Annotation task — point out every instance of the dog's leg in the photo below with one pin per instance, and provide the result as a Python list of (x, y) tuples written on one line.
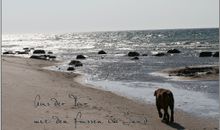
[(159, 111), (172, 112)]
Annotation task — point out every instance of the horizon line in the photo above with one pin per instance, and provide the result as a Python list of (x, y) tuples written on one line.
[(112, 30)]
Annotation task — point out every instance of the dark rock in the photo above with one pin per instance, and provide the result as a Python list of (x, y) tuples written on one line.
[(102, 52), (160, 54), (205, 54), (22, 52), (133, 53), (76, 63), (51, 57), (43, 57), (135, 58), (173, 51), (50, 52), (70, 68), (40, 57), (216, 54), (80, 57), (39, 52), (8, 52), (144, 54), (26, 48)]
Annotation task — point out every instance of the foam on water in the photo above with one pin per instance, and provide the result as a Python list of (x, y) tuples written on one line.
[(197, 103)]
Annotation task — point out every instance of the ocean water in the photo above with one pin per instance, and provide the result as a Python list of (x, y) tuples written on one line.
[(135, 79)]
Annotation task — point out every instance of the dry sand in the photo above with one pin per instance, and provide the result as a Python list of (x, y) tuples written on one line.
[(38, 99)]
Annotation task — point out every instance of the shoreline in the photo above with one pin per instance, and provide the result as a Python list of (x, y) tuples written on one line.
[(100, 104)]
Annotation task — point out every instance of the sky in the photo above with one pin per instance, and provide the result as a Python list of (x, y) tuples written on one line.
[(60, 16)]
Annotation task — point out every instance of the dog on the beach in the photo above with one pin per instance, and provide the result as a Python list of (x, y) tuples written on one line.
[(165, 99)]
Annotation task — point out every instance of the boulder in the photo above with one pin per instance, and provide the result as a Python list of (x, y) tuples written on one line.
[(135, 58), (205, 54), (133, 53), (70, 69), (80, 57), (76, 63), (216, 54), (39, 52), (173, 51), (102, 52), (160, 54)]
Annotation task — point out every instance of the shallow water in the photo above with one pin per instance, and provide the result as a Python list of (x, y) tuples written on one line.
[(135, 79)]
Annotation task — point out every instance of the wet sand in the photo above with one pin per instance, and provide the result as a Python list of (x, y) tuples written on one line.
[(38, 99)]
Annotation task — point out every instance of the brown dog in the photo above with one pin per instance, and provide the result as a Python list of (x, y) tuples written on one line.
[(164, 99)]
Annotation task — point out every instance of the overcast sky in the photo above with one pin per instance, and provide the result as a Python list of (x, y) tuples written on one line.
[(44, 16)]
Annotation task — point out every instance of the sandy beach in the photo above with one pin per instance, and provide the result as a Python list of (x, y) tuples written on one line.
[(37, 99)]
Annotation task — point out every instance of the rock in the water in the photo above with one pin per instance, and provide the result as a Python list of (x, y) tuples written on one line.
[(22, 52), (51, 57), (173, 51), (43, 57), (133, 53), (76, 63), (8, 52), (135, 58), (160, 54), (70, 69), (40, 57), (216, 54), (39, 52), (80, 57), (205, 54), (102, 52), (50, 52), (145, 54)]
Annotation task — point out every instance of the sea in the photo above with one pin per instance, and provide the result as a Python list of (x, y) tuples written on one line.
[(134, 79)]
